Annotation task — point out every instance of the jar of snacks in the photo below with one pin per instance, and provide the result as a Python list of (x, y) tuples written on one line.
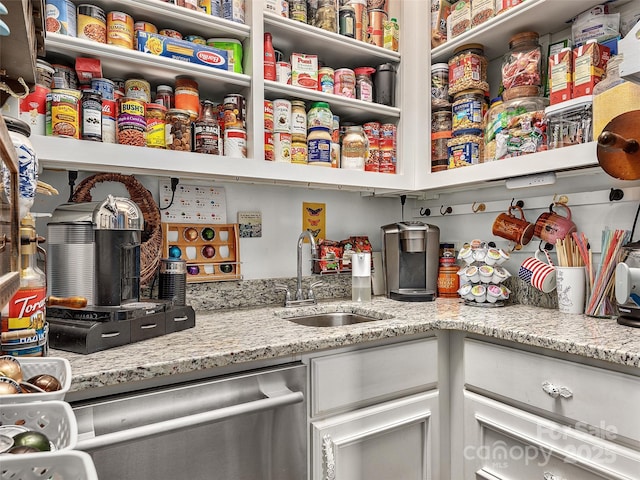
[(468, 69), (516, 127), (468, 109), (465, 150), (440, 85), (441, 120), (522, 65), (178, 130)]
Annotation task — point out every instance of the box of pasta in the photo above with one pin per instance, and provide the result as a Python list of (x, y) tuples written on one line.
[(182, 50)]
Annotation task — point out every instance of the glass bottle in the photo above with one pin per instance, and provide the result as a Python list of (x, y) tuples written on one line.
[(522, 65), (364, 84), (355, 148), (269, 58), (26, 309), (206, 130), (326, 16)]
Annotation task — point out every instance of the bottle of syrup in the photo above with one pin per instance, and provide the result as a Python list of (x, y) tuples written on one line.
[(269, 58)]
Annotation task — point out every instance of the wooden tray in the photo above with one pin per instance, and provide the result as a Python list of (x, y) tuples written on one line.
[(212, 251)]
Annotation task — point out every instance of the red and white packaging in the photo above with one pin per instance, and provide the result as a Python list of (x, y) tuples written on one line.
[(561, 76), (589, 62), (33, 109), (304, 70)]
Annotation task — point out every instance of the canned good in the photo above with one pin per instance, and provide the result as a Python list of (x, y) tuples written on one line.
[(105, 86), (269, 153), (298, 121), (109, 115), (268, 115), (298, 10), (377, 17), (235, 142), (119, 84), (190, 4), (167, 32), (142, 27), (91, 108), (347, 21), (155, 117), (187, 96), (211, 7), (344, 83), (62, 117), (120, 30), (64, 77), (178, 130), (61, 17), (283, 72), (92, 24), (372, 130), (388, 140), (279, 7), (387, 161), (282, 147), (372, 162), (325, 79), (234, 51), (131, 124), (299, 152), (44, 73), (33, 109), (282, 115), (235, 111), (196, 39), (233, 10), (137, 88)]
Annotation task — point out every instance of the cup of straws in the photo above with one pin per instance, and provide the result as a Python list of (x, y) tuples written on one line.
[(597, 283)]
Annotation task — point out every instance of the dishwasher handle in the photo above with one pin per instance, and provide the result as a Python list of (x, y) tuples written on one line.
[(194, 420)]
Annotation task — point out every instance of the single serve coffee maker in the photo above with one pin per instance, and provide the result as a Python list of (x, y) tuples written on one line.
[(410, 253)]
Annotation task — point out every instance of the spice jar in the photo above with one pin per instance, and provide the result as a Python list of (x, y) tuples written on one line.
[(178, 130), (155, 116), (298, 121), (354, 149), (440, 85), (522, 65), (468, 109), (364, 84), (326, 16), (468, 69)]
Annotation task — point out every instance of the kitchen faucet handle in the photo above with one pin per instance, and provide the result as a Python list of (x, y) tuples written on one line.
[(310, 294), (316, 283)]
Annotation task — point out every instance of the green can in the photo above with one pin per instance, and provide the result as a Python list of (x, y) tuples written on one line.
[(234, 47)]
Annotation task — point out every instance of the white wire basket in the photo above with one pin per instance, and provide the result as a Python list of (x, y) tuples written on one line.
[(31, 366), (54, 418), (63, 465)]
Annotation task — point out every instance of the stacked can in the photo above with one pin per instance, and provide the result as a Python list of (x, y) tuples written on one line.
[(388, 145), (335, 142), (282, 130), (268, 131), (298, 132), (235, 127), (372, 130)]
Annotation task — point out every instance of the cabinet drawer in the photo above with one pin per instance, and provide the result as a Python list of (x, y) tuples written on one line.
[(594, 396), (355, 379), (502, 442)]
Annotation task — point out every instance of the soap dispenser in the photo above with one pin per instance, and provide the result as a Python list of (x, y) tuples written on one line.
[(361, 277)]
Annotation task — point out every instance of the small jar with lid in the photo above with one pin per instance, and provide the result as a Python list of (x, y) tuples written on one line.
[(319, 146), (298, 121), (178, 130), (522, 65), (354, 149), (186, 96), (468, 69), (320, 115), (326, 16), (440, 85), (468, 110), (164, 96), (364, 84)]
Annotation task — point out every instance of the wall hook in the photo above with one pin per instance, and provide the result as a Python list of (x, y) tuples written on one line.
[(519, 203), (562, 199), (447, 210), (480, 208), (615, 195), (425, 212)]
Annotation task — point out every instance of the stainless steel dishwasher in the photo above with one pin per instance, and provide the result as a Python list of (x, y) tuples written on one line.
[(248, 426)]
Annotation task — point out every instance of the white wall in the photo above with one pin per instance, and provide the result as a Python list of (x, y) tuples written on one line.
[(274, 254)]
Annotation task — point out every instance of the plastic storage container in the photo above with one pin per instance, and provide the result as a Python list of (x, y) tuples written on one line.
[(63, 465), (570, 123), (468, 69), (440, 85), (31, 366), (515, 127)]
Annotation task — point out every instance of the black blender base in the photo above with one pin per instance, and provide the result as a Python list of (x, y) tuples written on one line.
[(629, 322)]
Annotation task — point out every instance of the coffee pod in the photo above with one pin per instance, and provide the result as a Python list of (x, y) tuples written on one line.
[(479, 293), (494, 293), (486, 273)]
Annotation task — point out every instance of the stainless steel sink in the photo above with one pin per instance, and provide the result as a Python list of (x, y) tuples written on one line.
[(335, 319)]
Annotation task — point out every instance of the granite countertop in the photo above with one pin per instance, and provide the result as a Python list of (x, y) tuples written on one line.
[(236, 336)]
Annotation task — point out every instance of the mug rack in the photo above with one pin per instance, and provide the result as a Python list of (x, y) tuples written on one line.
[(212, 252)]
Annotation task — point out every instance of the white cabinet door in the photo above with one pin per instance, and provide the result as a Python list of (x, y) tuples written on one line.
[(393, 440), (502, 442)]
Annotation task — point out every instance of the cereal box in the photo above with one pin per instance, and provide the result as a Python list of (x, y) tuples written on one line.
[(304, 70), (560, 76), (459, 20), (481, 11), (589, 62), (182, 50), (440, 10)]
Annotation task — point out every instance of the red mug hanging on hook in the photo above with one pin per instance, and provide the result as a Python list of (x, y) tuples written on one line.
[(550, 226)]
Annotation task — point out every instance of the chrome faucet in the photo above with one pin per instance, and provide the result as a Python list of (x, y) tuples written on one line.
[(314, 252), (299, 298)]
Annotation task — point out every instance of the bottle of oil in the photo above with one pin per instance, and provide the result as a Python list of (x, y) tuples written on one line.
[(23, 318)]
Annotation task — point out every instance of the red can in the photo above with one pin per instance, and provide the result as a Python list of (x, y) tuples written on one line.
[(388, 136), (109, 113), (33, 109), (372, 163), (167, 32), (387, 161), (372, 130), (269, 152), (268, 115)]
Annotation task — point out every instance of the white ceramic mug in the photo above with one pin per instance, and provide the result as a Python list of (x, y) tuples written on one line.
[(571, 288)]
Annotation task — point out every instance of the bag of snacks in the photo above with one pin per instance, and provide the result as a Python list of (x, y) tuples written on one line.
[(439, 13)]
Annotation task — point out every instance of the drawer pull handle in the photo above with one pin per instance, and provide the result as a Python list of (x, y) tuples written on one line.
[(328, 458), (555, 391)]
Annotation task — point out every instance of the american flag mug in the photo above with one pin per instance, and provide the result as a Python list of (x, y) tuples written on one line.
[(538, 273)]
